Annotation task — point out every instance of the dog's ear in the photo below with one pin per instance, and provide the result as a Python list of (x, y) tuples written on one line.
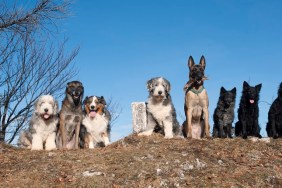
[(56, 107), (102, 100), (233, 91), (67, 86), (190, 62), (37, 106), (85, 100), (203, 62), (258, 87), (222, 90), (245, 85), (280, 88), (167, 85), (149, 84)]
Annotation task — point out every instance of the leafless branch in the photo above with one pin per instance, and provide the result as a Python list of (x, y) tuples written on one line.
[(30, 65), (114, 109)]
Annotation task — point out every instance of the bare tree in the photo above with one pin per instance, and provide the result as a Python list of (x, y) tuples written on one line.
[(114, 109), (30, 65)]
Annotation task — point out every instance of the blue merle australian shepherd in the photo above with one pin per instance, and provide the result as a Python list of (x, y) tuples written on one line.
[(161, 115)]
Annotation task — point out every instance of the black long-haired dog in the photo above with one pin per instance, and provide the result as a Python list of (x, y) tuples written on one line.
[(248, 112), (274, 125), (224, 113)]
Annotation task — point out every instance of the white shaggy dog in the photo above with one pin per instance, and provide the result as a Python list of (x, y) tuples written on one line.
[(43, 125), (161, 116)]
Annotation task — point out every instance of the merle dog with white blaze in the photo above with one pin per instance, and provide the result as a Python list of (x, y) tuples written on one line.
[(224, 113), (161, 115)]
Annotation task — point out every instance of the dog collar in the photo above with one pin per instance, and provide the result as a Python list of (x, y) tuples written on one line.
[(197, 92)]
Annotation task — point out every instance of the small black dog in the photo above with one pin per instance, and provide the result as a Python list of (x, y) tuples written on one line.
[(274, 125), (248, 112), (224, 113)]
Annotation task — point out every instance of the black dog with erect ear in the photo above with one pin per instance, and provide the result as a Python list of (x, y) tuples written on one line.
[(248, 112), (224, 113), (274, 125)]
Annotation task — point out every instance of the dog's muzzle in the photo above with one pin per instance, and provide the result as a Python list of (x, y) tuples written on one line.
[(46, 116), (92, 112), (76, 94)]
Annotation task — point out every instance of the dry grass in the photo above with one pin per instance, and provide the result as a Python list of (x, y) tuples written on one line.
[(148, 162)]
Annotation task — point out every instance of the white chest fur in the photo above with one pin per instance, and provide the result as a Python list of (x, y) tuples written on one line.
[(45, 129), (159, 111), (96, 126)]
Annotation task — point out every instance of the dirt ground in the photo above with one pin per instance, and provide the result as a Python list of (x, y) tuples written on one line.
[(148, 162)]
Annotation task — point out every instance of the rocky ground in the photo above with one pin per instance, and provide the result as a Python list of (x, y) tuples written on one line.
[(148, 162)]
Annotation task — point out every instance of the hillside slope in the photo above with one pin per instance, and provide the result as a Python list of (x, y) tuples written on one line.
[(148, 162)]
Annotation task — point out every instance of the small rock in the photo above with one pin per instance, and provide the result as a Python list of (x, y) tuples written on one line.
[(186, 166), (220, 162), (254, 139), (266, 140), (159, 171), (149, 156), (163, 183), (199, 164), (50, 154), (92, 173), (270, 179), (176, 161)]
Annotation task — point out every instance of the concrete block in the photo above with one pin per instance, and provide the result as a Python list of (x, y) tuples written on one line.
[(139, 116)]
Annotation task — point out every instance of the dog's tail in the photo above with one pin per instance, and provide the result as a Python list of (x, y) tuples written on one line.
[(25, 140)]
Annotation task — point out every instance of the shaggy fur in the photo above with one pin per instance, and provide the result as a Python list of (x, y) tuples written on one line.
[(196, 104), (248, 112), (274, 125), (70, 116), (43, 125), (224, 113), (95, 129), (161, 116)]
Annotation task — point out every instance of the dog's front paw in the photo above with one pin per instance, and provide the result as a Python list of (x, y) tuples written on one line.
[(141, 134), (244, 136), (275, 136), (230, 136), (168, 136), (145, 133), (189, 135), (209, 136)]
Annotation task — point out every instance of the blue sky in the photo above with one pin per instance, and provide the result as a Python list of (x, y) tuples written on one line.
[(125, 43)]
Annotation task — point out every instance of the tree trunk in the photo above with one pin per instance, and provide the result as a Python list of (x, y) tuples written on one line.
[(2, 135)]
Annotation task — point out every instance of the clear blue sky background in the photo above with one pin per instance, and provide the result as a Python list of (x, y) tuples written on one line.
[(125, 43)]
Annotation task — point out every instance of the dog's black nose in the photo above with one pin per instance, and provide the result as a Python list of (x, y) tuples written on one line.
[(92, 107), (160, 92), (46, 110)]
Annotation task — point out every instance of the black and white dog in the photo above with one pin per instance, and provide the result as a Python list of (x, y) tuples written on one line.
[(274, 125), (161, 115), (95, 129)]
